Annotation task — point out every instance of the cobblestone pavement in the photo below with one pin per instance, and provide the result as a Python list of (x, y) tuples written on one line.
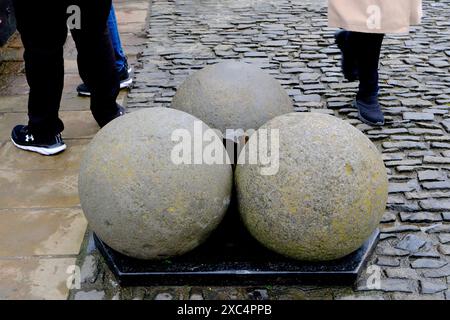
[(290, 40)]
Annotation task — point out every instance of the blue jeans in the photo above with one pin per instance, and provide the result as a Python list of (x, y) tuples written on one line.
[(121, 59)]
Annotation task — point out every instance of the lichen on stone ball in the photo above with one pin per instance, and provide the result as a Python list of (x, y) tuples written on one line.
[(328, 195), (138, 200)]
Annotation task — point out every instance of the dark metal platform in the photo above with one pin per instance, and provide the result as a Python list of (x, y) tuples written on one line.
[(232, 257)]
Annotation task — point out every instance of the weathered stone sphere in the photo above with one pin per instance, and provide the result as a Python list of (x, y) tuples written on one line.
[(232, 95), (327, 196), (137, 200)]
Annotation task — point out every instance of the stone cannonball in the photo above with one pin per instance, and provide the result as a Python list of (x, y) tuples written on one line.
[(232, 95), (327, 196), (137, 200)]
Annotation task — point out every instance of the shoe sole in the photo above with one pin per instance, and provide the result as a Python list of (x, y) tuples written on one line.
[(84, 94), (40, 150), (378, 124), (361, 118), (124, 84)]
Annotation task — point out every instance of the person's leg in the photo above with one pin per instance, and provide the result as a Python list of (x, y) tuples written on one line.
[(349, 64), (43, 38), (44, 67), (121, 59), (96, 62), (367, 49)]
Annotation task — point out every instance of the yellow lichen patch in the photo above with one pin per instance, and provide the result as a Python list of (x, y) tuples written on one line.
[(348, 169), (171, 210)]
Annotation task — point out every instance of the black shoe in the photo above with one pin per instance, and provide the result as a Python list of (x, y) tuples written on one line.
[(369, 113), (83, 90), (348, 62), (47, 146), (104, 122), (125, 82)]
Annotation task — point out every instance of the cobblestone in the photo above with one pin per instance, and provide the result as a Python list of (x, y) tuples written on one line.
[(427, 264), (90, 295), (429, 287)]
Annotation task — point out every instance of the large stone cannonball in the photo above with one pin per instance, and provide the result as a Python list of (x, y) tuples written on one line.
[(137, 200), (232, 95), (327, 196)]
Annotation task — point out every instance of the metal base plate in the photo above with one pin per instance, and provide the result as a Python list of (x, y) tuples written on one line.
[(232, 257)]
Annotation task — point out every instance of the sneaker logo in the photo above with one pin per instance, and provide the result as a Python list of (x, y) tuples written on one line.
[(29, 138)]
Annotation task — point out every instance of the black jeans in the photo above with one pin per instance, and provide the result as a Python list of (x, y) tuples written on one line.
[(366, 50), (43, 28)]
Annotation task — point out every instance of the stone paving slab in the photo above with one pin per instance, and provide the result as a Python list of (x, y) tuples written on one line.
[(39, 189), (12, 158), (41, 232), (14, 84), (70, 65), (70, 102), (16, 103), (34, 278)]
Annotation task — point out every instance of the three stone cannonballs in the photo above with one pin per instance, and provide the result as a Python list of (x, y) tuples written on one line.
[(137, 200), (325, 198), (328, 195), (232, 95)]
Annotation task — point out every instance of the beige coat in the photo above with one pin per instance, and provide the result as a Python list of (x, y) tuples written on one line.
[(374, 16)]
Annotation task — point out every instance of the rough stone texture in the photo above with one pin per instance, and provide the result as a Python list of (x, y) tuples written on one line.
[(88, 269), (232, 96), (411, 243), (138, 200), (429, 287), (328, 196), (163, 296), (90, 295), (427, 264)]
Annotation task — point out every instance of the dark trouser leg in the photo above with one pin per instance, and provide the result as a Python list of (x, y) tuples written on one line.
[(367, 49), (96, 61), (42, 26), (348, 61)]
